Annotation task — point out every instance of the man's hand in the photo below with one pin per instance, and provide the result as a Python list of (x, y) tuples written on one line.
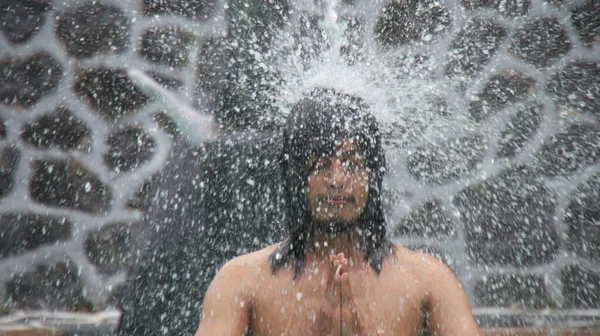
[(341, 315), (340, 265)]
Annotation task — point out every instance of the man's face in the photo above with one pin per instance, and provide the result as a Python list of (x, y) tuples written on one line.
[(338, 187)]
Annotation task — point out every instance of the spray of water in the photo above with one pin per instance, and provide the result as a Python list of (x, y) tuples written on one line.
[(404, 99)]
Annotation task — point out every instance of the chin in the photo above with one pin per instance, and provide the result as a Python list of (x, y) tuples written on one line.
[(336, 224)]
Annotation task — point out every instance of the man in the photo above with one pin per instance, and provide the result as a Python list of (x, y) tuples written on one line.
[(336, 273)]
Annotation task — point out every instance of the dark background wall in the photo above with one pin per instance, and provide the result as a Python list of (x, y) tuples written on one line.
[(94, 178)]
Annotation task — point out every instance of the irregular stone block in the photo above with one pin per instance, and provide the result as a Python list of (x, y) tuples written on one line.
[(67, 184), (558, 3), (9, 159), (128, 148), (211, 72), (166, 123), (446, 162), (404, 22), (2, 129), (25, 232), (511, 8), (114, 299), (167, 45), (55, 287), (518, 130), (569, 151), (509, 220), (26, 81), (194, 9), (212, 68), (576, 88), (413, 124), (142, 199), (21, 19), (397, 135), (540, 42), (428, 220), (474, 47), (503, 89), (580, 287), (439, 106), (109, 247), (585, 20), (110, 92), (512, 291), (60, 129), (582, 217), (92, 29)]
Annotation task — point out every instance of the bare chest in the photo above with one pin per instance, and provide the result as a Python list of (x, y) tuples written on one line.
[(374, 306)]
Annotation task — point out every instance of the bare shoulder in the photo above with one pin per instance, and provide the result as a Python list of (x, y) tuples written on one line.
[(252, 259), (444, 297), (225, 308), (424, 266), (246, 266), (237, 278)]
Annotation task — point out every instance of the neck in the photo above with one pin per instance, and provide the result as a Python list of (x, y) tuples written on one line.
[(325, 244)]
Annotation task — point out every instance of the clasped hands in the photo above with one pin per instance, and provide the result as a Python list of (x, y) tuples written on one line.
[(339, 315)]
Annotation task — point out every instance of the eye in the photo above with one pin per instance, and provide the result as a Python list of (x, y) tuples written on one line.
[(353, 164), (322, 164)]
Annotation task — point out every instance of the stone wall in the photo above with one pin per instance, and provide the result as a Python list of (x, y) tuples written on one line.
[(80, 145)]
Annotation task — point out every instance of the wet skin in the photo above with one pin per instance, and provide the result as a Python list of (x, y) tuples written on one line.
[(338, 293), (337, 190)]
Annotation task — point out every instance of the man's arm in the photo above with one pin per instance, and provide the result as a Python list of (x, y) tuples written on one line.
[(227, 306), (449, 311)]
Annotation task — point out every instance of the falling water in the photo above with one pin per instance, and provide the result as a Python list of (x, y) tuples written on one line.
[(488, 111), (445, 139)]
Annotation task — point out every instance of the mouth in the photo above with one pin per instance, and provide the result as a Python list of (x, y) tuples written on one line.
[(337, 200)]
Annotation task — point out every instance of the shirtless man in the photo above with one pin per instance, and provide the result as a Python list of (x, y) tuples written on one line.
[(336, 273)]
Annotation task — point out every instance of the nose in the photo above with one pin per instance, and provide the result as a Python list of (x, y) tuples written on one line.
[(336, 176)]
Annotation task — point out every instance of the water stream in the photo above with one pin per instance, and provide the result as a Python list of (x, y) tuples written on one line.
[(489, 111)]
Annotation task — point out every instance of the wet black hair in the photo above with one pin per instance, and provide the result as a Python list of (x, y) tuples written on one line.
[(317, 123)]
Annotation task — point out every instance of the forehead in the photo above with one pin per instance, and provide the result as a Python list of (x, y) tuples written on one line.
[(346, 147)]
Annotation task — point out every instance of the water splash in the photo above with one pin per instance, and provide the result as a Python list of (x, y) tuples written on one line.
[(324, 49)]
